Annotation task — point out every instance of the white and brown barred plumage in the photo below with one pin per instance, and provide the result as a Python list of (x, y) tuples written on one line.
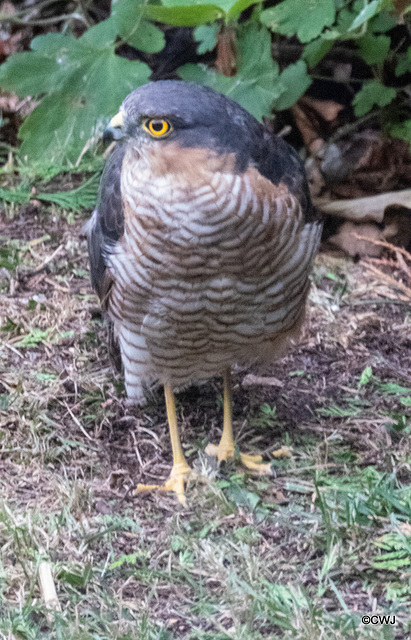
[(202, 241)]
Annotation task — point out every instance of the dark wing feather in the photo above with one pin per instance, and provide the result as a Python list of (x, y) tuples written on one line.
[(277, 161), (103, 231), (107, 223)]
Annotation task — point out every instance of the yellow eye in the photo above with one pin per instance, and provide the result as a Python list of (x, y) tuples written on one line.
[(157, 127)]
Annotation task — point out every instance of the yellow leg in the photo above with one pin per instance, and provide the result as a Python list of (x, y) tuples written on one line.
[(180, 467), (225, 449)]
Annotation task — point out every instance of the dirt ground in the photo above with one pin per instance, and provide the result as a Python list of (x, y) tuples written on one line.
[(72, 450)]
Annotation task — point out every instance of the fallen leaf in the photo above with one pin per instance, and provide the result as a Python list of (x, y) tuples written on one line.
[(327, 109), (250, 380)]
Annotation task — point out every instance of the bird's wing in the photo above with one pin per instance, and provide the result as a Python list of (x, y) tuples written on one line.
[(277, 161), (106, 225)]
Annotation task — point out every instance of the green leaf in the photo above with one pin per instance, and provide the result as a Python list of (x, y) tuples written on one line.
[(28, 74), (129, 18), (315, 51), (343, 22), (187, 13), (14, 196), (367, 12), (184, 16), (366, 376), (383, 22), (372, 92), (236, 8), (296, 81), (88, 87), (256, 84), (101, 35), (84, 197), (206, 36), (401, 130), (374, 49), (76, 579), (83, 82), (392, 388), (306, 20), (224, 5), (132, 558), (404, 63)]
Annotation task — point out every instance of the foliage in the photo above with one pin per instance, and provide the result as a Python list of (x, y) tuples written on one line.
[(77, 200), (288, 19), (257, 81), (81, 82)]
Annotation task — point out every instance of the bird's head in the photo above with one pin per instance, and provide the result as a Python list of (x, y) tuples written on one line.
[(184, 115)]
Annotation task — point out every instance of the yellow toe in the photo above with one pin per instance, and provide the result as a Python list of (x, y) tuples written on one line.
[(283, 452), (254, 462), (175, 483), (221, 452)]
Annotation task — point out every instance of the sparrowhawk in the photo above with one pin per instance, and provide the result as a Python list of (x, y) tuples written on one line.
[(200, 246)]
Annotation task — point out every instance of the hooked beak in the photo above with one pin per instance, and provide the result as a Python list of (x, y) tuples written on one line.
[(114, 131)]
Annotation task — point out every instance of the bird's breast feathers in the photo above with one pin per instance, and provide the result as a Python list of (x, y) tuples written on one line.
[(188, 205)]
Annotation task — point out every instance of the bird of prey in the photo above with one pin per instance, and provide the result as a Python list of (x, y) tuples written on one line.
[(200, 246)]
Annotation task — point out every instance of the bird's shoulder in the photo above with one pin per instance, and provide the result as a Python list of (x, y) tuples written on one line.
[(277, 161)]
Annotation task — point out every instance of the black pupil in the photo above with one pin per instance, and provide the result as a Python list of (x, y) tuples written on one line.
[(157, 125)]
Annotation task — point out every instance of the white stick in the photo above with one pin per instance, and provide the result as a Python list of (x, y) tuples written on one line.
[(47, 587), (365, 209)]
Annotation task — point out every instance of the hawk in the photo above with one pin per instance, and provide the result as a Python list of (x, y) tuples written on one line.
[(200, 246)]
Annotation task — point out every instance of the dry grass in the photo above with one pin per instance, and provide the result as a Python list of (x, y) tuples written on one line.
[(302, 556)]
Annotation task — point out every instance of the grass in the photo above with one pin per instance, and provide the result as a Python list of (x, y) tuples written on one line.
[(304, 555)]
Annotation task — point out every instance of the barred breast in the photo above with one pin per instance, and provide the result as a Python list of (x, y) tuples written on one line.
[(205, 275)]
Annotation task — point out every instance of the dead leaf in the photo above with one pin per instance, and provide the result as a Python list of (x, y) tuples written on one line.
[(347, 239), (226, 62), (250, 380), (10, 44), (327, 109), (307, 127)]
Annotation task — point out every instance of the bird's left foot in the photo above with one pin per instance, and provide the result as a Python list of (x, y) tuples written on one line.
[(254, 462), (175, 483)]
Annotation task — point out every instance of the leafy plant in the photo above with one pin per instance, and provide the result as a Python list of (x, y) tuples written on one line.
[(257, 81), (80, 82), (84, 197), (84, 82), (395, 552)]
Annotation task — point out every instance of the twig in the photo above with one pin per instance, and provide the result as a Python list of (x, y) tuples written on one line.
[(78, 423), (352, 126), (30, 274), (325, 465), (384, 243), (388, 279), (399, 252), (9, 346), (360, 303), (43, 21), (402, 263)]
